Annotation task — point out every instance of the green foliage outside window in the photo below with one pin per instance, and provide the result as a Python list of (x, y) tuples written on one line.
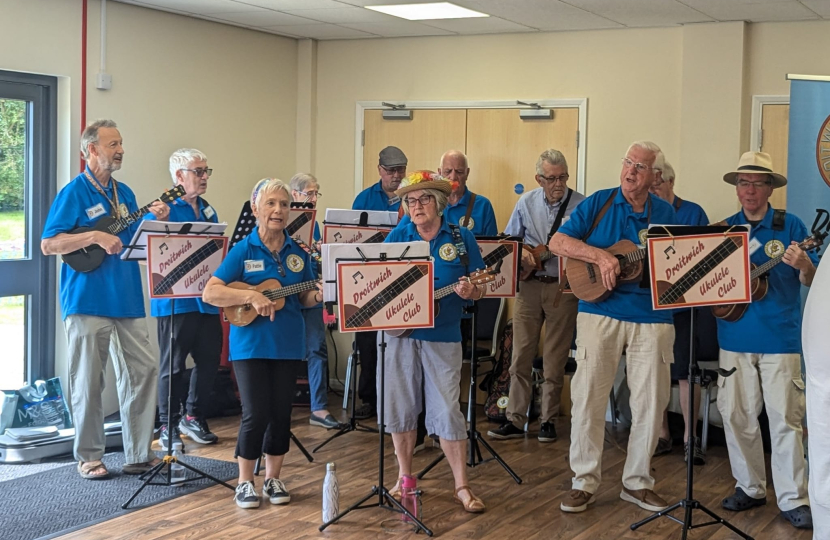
[(12, 153)]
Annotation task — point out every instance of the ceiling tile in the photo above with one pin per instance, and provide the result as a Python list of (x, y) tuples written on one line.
[(753, 11), (321, 31), (478, 25), (343, 15), (261, 17), (543, 14), (400, 28), (391, 2), (282, 5), (204, 7), (634, 13), (822, 7)]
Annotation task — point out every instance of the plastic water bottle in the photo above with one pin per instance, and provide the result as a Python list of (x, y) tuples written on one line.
[(176, 470), (410, 497), (331, 494)]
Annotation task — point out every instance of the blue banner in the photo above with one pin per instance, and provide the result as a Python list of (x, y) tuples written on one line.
[(808, 168)]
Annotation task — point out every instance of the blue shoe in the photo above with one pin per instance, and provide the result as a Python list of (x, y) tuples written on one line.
[(800, 518), (740, 501)]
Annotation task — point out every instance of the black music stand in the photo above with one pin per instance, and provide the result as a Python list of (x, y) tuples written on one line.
[(474, 457), (701, 377), (164, 466), (384, 501)]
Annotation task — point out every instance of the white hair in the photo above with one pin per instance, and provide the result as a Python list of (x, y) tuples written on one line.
[(668, 171), (554, 157), (90, 134), (267, 186), (300, 181), (181, 157), (449, 153), (659, 159)]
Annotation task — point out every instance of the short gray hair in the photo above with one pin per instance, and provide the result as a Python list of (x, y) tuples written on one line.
[(300, 181), (266, 186), (668, 171), (659, 158), (441, 200), (453, 153), (181, 157), (553, 157), (90, 134)]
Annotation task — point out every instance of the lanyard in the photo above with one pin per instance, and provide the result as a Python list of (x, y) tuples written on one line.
[(116, 208)]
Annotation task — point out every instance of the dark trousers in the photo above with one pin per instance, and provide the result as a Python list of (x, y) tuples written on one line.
[(267, 391), (196, 334), (367, 346)]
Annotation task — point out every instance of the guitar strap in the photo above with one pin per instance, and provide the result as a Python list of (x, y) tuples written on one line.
[(563, 282), (560, 215), (459, 246), (778, 217), (466, 221), (116, 208), (677, 202)]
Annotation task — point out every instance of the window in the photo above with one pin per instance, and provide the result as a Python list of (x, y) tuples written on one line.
[(27, 187)]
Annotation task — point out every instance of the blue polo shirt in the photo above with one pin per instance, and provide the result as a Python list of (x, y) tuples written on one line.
[(689, 213), (314, 265), (628, 302), (114, 288), (374, 198), (771, 325), (251, 262), (181, 211), (448, 322), (482, 219)]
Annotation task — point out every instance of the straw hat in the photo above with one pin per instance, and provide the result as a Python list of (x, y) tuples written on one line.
[(755, 163), (424, 180)]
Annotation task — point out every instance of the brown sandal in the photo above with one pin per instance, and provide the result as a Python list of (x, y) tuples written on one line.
[(474, 505), (88, 469)]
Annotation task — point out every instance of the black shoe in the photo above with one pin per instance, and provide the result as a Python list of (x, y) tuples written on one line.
[(699, 458), (506, 431), (663, 447), (163, 438), (275, 491), (246, 496), (197, 429), (547, 432), (800, 518), (740, 501), (329, 422), (367, 410)]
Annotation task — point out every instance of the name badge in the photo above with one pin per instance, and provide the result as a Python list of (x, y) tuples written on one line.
[(209, 213), (394, 200), (754, 245), (254, 266), (95, 211)]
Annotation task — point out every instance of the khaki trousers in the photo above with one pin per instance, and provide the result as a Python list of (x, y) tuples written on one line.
[(136, 372), (773, 380), (648, 348), (534, 305)]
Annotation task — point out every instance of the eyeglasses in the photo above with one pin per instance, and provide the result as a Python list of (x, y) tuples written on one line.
[(551, 179), (311, 194), (744, 184), (200, 172), (393, 170), (423, 199), (639, 167)]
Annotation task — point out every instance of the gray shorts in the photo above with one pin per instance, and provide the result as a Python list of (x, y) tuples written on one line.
[(411, 365)]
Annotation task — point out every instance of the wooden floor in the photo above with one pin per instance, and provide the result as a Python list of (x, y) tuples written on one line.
[(525, 512)]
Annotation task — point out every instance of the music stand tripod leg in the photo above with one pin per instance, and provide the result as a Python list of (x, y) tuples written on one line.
[(301, 447), (690, 503)]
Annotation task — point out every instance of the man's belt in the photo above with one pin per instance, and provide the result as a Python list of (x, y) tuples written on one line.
[(546, 279)]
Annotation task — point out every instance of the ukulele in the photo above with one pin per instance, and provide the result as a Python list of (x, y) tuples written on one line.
[(90, 257), (541, 254), (759, 284), (479, 277), (245, 314), (585, 280)]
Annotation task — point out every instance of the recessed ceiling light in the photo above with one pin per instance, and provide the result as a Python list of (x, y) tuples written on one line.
[(422, 12)]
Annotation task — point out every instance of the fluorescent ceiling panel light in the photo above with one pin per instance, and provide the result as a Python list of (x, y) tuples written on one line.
[(423, 12)]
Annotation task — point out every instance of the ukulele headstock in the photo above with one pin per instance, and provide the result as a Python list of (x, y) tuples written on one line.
[(172, 194), (480, 277)]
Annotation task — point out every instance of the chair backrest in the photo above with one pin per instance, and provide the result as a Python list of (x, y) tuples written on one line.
[(490, 313)]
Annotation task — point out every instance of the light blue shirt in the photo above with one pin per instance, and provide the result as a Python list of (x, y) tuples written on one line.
[(629, 302), (533, 217), (114, 288)]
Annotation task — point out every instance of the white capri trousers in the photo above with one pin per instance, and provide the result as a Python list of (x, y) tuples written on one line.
[(412, 365)]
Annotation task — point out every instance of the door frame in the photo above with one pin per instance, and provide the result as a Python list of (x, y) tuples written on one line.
[(575, 103), (756, 120)]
